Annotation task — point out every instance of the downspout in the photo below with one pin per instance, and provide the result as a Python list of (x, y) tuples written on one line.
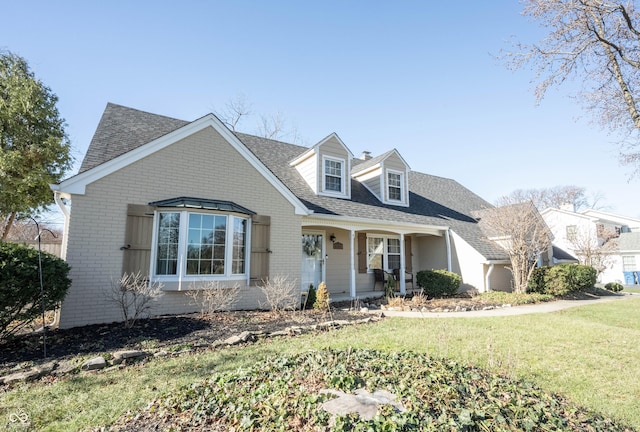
[(57, 196), (487, 280), (448, 239)]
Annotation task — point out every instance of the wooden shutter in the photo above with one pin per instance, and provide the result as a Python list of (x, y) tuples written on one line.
[(137, 241), (407, 255), (362, 252), (260, 248)]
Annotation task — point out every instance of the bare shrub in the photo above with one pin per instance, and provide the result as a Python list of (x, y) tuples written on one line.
[(281, 293), (419, 299), (134, 295), (213, 297), (395, 301)]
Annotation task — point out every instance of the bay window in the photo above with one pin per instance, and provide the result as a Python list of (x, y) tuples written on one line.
[(197, 245)]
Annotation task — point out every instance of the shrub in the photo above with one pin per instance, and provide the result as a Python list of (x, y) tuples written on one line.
[(322, 297), (133, 295), (438, 283), (614, 286), (562, 279), (20, 299), (311, 297), (565, 278), (583, 277), (536, 281), (281, 293), (214, 297)]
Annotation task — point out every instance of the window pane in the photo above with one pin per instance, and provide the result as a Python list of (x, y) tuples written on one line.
[(333, 168), (394, 262), (375, 252), (394, 194), (394, 182), (206, 243), (333, 183), (238, 251), (167, 248), (393, 246), (333, 175)]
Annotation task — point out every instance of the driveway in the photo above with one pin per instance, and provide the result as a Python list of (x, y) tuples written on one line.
[(545, 307)]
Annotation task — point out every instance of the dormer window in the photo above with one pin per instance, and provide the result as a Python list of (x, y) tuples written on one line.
[(333, 175), (395, 186)]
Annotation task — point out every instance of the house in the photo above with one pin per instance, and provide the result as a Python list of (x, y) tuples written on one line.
[(189, 202), (609, 242)]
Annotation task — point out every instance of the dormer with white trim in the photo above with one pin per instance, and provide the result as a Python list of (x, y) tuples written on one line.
[(386, 176), (326, 167)]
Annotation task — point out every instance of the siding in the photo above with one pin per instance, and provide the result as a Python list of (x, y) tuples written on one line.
[(203, 165)]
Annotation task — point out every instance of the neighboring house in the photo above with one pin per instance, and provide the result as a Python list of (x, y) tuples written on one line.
[(610, 242), (189, 202)]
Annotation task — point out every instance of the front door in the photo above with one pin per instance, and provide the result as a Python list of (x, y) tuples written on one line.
[(312, 260)]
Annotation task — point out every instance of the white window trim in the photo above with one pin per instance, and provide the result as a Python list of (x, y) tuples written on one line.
[(182, 276), (385, 250), (403, 187), (343, 178)]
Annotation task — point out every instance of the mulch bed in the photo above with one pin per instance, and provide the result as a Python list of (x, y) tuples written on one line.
[(154, 333)]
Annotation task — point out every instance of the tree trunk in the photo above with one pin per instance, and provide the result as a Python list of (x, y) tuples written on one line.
[(8, 225)]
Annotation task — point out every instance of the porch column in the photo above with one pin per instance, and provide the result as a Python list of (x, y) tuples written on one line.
[(352, 254), (403, 285), (448, 250)]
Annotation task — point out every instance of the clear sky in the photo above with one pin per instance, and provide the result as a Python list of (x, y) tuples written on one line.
[(419, 76)]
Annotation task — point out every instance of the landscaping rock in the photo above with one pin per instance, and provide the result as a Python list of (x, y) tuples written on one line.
[(28, 375), (64, 368), (46, 368), (245, 336), (363, 403), (95, 363), (120, 356)]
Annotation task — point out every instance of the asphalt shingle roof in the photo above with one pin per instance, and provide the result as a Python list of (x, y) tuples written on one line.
[(433, 200)]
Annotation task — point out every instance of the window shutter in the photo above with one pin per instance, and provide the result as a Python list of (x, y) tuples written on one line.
[(362, 252), (137, 242), (260, 243), (407, 255)]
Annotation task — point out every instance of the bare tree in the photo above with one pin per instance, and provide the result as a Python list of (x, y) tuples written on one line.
[(274, 126), (520, 230), (234, 111), (557, 197), (597, 42), (595, 248)]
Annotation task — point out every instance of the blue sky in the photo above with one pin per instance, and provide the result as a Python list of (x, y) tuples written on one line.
[(420, 77)]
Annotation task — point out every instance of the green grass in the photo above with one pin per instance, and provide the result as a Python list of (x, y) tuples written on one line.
[(589, 354), (632, 288)]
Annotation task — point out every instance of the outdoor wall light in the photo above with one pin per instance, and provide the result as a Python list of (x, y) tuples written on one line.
[(332, 238)]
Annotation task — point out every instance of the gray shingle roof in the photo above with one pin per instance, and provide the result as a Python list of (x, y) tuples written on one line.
[(123, 129), (433, 200), (629, 241)]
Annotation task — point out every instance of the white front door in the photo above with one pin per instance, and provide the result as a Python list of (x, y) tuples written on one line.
[(312, 260)]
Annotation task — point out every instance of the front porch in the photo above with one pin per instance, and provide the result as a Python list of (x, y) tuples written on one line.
[(344, 257)]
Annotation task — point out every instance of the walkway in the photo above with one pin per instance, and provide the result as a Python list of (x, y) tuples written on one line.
[(545, 307)]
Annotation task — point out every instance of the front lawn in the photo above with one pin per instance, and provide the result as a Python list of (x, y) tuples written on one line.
[(588, 354)]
